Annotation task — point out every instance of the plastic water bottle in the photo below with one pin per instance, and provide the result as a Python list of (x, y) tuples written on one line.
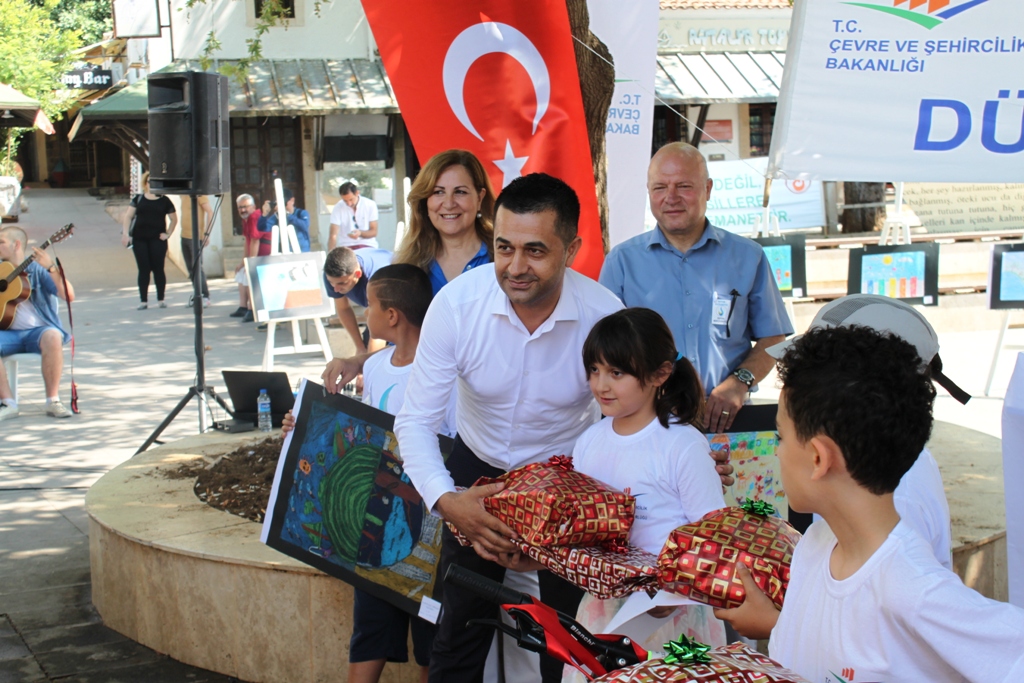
[(266, 422)]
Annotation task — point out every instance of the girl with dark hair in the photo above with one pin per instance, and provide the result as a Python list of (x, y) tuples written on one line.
[(651, 444)]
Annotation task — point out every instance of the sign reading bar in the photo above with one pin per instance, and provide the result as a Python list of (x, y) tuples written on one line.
[(88, 79)]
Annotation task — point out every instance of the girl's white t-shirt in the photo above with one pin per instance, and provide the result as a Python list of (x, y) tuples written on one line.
[(669, 470), (901, 617)]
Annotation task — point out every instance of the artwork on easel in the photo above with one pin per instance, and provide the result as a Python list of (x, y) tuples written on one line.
[(342, 502), (288, 286), (787, 258), (1006, 277), (909, 272), (752, 443)]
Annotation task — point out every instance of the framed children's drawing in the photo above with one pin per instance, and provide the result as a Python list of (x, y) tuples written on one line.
[(787, 258), (909, 272), (1006, 276), (342, 502)]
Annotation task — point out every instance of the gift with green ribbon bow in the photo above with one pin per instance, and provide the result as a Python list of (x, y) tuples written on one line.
[(691, 662), (685, 651), (758, 507), (700, 560)]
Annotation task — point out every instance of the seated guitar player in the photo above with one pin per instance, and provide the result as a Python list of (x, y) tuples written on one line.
[(31, 324)]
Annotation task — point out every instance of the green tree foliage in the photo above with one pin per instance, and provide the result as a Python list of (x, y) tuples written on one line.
[(91, 18), (34, 52)]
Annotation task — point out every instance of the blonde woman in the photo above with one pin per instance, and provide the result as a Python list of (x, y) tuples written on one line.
[(450, 227), (149, 238)]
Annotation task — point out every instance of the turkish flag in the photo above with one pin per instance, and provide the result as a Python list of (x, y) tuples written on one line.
[(496, 77)]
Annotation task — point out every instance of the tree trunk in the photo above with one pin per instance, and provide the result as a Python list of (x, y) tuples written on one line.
[(597, 83), (863, 220)]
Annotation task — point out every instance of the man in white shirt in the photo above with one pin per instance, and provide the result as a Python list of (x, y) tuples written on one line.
[(353, 220), (510, 336)]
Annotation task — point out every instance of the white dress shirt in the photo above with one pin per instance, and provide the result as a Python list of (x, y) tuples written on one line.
[(522, 397)]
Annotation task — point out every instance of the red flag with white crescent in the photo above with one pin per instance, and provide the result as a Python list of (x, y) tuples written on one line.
[(496, 77)]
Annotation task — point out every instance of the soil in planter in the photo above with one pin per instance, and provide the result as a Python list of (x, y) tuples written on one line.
[(239, 482)]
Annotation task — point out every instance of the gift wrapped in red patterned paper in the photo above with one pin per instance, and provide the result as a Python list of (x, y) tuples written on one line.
[(603, 572), (734, 663), (551, 504), (699, 560)]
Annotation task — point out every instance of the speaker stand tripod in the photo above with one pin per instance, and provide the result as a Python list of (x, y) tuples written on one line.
[(199, 389)]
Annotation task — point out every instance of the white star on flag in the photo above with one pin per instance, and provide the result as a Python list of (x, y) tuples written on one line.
[(511, 165)]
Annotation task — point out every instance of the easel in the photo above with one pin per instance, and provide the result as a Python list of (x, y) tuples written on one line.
[(897, 226), (284, 241)]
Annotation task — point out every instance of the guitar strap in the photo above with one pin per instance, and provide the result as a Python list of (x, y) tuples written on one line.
[(71, 323)]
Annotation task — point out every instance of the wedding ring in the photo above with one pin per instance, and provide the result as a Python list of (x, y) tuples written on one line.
[(725, 412)]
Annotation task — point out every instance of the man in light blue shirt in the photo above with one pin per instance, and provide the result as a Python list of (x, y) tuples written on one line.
[(346, 274), (714, 289)]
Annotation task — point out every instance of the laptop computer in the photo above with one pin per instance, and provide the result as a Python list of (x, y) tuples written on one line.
[(244, 388)]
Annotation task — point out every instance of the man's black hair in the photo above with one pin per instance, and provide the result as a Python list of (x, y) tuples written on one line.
[(347, 187), (538, 192), (867, 391), (340, 262), (404, 287)]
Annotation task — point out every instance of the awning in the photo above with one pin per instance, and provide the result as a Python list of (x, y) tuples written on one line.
[(719, 78), (18, 110), (278, 87)]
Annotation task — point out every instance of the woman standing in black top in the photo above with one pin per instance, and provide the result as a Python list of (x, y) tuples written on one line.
[(149, 238)]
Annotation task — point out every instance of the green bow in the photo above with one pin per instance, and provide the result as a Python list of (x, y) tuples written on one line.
[(686, 652), (758, 507)]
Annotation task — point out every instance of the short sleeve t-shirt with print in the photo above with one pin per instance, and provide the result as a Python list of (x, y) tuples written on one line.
[(901, 617), (669, 471), (384, 387)]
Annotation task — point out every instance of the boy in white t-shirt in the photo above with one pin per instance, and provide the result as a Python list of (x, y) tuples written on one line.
[(867, 600), (397, 300)]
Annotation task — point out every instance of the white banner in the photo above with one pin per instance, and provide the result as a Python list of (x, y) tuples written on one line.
[(905, 90), (738, 193), (1013, 478), (630, 30)]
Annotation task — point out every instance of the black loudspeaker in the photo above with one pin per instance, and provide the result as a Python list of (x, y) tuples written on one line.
[(188, 133)]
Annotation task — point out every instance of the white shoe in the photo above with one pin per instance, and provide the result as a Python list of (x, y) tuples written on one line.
[(143, 306), (7, 412), (57, 409), (206, 302)]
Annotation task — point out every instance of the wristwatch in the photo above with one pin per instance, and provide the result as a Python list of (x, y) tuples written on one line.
[(744, 375)]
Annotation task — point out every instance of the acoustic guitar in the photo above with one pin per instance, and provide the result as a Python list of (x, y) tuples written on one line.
[(14, 287)]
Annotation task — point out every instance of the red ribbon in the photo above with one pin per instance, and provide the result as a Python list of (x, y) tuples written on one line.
[(562, 462)]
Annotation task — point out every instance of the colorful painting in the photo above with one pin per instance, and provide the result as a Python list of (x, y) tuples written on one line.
[(899, 275), (752, 446), (752, 455), (780, 259), (343, 503), (1012, 271), (288, 286)]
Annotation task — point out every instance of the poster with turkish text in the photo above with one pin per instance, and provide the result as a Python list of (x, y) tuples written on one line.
[(914, 90)]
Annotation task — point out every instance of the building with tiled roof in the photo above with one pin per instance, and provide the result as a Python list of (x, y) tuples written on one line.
[(720, 66)]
